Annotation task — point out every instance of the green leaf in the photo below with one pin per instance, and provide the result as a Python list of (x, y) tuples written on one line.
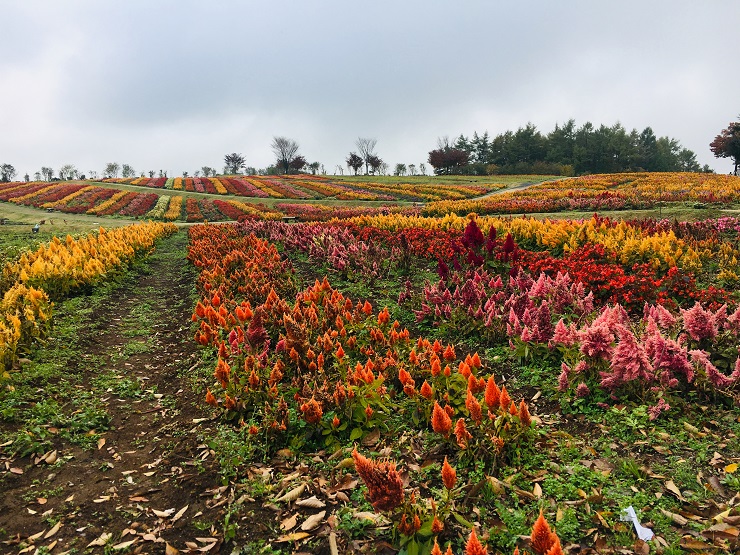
[(356, 434), (462, 520)]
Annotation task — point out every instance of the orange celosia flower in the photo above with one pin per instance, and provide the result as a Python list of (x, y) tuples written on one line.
[(524, 417), (210, 399), (384, 485), (441, 421), (475, 363), (449, 353), (541, 535), (474, 547), (253, 430), (254, 379), (404, 377), (464, 369), (413, 359), (437, 526), (367, 308), (383, 317), (493, 393), (222, 373), (449, 475), (435, 549), (513, 410), (447, 371), (293, 354), (229, 402), (368, 411), (504, 399), (340, 353), (216, 300), (335, 422), (461, 434), (436, 367), (312, 412), (473, 406), (437, 347), (426, 391)]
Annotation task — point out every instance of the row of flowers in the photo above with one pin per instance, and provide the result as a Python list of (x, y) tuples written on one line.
[(54, 270), (602, 192)]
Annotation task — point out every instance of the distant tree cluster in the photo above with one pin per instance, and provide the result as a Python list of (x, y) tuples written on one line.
[(566, 150)]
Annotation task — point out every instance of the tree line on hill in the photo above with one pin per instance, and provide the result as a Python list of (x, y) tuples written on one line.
[(566, 150)]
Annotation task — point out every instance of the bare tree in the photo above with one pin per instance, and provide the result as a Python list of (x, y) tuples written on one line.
[(93, 174), (127, 171), (366, 147), (286, 150), (423, 168)]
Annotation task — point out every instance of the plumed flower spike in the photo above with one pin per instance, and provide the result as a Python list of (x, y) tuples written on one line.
[(504, 399), (384, 485), (462, 434), (543, 538), (441, 421), (493, 393), (474, 547), (449, 475), (436, 550)]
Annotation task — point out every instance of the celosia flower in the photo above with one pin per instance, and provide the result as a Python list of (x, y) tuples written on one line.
[(426, 391), (435, 548), (474, 547), (441, 421), (335, 422), (473, 406), (543, 537), (461, 434), (384, 485), (340, 353), (582, 390), (436, 367), (368, 411), (312, 412), (449, 475), (493, 394), (654, 411), (437, 527), (525, 418), (449, 353), (210, 399), (504, 400), (699, 323), (253, 430)]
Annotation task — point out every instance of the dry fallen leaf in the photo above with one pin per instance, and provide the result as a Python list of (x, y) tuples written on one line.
[(179, 514), (101, 540), (312, 502), (289, 523), (670, 486), (294, 537), (678, 519), (51, 458), (169, 550), (292, 495), (53, 531), (163, 514), (313, 521), (537, 491), (124, 545)]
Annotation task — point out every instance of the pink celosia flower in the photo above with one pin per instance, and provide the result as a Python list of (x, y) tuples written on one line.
[(717, 379), (596, 340), (654, 411), (629, 362), (699, 323), (660, 314), (582, 390)]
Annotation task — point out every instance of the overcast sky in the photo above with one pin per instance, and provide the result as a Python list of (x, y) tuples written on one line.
[(176, 84)]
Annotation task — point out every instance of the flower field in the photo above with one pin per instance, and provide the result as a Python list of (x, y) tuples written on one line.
[(384, 379), (603, 192), (603, 318)]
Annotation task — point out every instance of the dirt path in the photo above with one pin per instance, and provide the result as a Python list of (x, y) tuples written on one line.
[(145, 478)]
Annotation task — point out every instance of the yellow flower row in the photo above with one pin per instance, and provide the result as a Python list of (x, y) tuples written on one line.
[(220, 188), (110, 202), (173, 212), (631, 244), (69, 197)]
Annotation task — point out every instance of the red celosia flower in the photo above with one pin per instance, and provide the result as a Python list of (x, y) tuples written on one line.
[(384, 485), (312, 412), (441, 421), (473, 406), (426, 391), (504, 400), (449, 475), (474, 547), (493, 394), (524, 417), (461, 434)]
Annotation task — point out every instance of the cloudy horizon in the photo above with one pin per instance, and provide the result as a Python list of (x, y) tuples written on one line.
[(176, 84)]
